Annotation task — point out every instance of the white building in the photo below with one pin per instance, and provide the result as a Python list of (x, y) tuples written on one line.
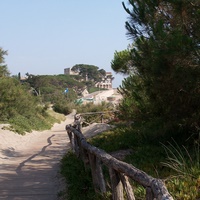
[(106, 81), (70, 72)]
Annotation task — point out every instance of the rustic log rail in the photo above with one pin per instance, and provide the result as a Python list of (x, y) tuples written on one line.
[(119, 171), (101, 114)]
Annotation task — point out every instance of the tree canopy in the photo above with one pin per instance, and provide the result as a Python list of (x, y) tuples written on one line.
[(52, 87), (164, 60), (122, 62), (19, 104), (93, 73), (3, 68)]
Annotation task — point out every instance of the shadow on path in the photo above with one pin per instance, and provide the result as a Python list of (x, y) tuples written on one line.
[(35, 178), (19, 168)]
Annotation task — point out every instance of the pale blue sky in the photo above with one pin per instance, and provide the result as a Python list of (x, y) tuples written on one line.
[(46, 36)]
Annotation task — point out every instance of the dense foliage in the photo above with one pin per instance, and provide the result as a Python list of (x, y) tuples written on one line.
[(164, 64), (52, 87), (178, 166), (79, 180), (3, 68), (15, 99), (58, 90), (21, 104), (24, 102), (121, 62), (90, 72), (148, 155), (21, 109)]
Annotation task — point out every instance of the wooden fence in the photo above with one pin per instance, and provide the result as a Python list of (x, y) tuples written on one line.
[(120, 172), (100, 116)]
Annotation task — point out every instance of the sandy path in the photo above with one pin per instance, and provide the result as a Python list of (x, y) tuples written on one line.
[(29, 164)]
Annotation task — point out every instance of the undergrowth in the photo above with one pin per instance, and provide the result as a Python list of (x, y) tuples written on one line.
[(79, 179), (148, 155), (39, 122)]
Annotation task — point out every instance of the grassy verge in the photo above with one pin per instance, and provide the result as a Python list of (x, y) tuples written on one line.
[(40, 121), (148, 155), (79, 180)]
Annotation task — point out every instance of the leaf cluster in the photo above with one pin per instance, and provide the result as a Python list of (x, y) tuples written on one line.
[(3, 68), (93, 73), (21, 109), (163, 63), (15, 99), (51, 87), (177, 165)]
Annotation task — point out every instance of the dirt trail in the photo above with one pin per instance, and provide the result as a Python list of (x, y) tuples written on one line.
[(29, 164)]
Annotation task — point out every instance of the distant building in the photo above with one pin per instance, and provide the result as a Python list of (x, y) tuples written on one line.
[(70, 72), (85, 92), (106, 81)]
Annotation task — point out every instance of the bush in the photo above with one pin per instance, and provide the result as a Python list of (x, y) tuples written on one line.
[(73, 169), (64, 108), (184, 188), (90, 107), (22, 124)]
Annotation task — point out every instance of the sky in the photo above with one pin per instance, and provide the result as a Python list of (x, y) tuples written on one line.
[(43, 37)]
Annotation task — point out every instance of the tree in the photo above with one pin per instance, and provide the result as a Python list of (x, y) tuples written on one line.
[(3, 68), (102, 72), (15, 99), (165, 57), (89, 72), (122, 62)]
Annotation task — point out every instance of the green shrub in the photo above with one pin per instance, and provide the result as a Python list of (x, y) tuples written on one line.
[(149, 155), (118, 138), (184, 188), (64, 108), (181, 160), (22, 124), (95, 89), (79, 181), (91, 107), (185, 184), (15, 99)]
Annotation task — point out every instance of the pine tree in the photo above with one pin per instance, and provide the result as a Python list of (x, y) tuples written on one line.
[(3, 68), (166, 56)]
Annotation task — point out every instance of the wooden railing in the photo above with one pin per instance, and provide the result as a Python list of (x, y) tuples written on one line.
[(100, 116), (120, 172)]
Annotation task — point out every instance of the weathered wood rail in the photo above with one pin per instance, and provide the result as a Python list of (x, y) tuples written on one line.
[(100, 115), (119, 172)]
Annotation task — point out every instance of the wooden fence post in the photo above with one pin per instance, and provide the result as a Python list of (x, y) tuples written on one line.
[(101, 181), (149, 194), (84, 156), (92, 159), (72, 140), (127, 187), (70, 136), (101, 118), (117, 188), (97, 174), (76, 145)]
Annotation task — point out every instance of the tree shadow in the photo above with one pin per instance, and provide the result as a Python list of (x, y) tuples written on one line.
[(10, 152), (36, 177)]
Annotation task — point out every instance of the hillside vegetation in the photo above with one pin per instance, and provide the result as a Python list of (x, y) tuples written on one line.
[(24, 104), (20, 108)]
